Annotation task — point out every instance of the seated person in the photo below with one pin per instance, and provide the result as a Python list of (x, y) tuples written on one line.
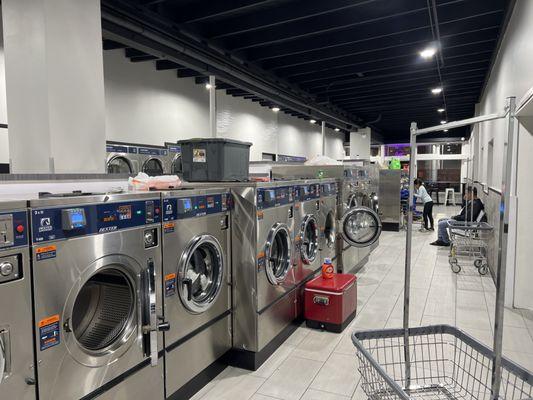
[(469, 197)]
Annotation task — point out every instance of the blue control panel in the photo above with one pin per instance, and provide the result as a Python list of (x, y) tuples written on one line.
[(195, 206), (152, 151), (120, 148), (307, 192), (13, 229), (328, 189), (65, 222), (274, 197), (174, 148)]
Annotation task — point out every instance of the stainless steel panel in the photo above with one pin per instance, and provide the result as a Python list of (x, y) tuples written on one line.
[(389, 196), (16, 331), (57, 283), (304, 270), (328, 205), (144, 384), (190, 358), (276, 318)]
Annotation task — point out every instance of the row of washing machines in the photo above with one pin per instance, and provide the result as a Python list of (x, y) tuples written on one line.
[(129, 158), (151, 295)]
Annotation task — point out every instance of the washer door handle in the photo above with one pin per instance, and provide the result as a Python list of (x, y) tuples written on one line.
[(149, 328)]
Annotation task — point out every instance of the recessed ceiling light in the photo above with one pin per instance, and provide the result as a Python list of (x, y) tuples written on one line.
[(463, 139), (445, 130), (208, 86), (443, 122), (313, 121), (275, 109), (441, 110), (428, 53), (337, 130), (436, 90)]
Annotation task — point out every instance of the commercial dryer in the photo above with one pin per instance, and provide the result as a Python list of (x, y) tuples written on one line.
[(173, 161), (327, 219), (122, 158), (152, 159), (197, 287), (17, 372), (98, 296), (264, 292)]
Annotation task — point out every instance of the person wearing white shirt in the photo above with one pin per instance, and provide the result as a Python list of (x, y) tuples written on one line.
[(422, 194)]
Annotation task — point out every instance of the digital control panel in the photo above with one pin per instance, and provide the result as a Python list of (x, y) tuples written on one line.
[(274, 197), (13, 229), (64, 222), (307, 192), (195, 206), (328, 189)]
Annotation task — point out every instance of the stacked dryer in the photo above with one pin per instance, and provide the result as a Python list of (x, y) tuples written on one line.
[(197, 287), (17, 372), (98, 296), (264, 284)]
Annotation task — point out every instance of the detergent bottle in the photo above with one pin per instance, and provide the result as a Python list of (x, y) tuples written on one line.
[(327, 269)]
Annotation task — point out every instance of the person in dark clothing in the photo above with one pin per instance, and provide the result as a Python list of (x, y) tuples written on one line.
[(470, 212), (422, 194)]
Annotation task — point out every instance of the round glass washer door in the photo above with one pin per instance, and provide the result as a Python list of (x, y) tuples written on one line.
[(153, 167), (176, 165), (309, 239), (360, 227), (278, 253), (200, 274), (330, 229), (119, 165)]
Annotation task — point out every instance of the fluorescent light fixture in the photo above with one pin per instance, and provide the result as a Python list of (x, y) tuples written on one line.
[(441, 110), (313, 121), (208, 86), (443, 122), (275, 109), (436, 90), (337, 130), (428, 53)]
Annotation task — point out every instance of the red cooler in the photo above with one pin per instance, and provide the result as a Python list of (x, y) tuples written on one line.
[(330, 304)]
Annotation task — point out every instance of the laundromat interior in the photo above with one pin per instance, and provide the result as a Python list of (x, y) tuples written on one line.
[(266, 199)]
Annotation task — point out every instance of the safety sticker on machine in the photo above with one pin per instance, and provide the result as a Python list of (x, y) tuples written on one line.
[(44, 253), (261, 260), (49, 332), (168, 227), (170, 285)]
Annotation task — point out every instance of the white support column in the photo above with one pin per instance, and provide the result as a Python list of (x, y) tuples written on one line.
[(54, 85), (212, 107), (323, 138)]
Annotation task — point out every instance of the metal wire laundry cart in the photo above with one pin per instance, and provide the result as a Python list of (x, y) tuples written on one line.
[(469, 240), (442, 362)]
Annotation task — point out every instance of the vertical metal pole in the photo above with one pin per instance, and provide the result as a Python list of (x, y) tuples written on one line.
[(212, 107), (408, 244), (323, 138), (502, 250)]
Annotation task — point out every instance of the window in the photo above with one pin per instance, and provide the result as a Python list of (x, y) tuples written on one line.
[(451, 148), (425, 149)]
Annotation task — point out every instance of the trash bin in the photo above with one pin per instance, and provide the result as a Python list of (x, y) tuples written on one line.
[(215, 160)]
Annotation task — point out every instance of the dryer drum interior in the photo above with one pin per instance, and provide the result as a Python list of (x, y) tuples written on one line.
[(119, 165), (153, 167), (361, 227), (176, 165), (103, 310), (329, 229), (201, 275), (309, 235), (278, 254)]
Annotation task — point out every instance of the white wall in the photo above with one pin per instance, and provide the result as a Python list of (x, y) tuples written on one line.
[(4, 141), (512, 75)]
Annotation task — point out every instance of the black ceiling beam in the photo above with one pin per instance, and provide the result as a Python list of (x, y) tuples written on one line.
[(131, 52), (162, 65), (237, 92), (112, 45), (187, 73), (143, 58), (403, 105)]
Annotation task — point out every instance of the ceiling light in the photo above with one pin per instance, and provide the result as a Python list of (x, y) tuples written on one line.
[(445, 130), (441, 110), (208, 86), (428, 53), (443, 122), (337, 130), (436, 90), (463, 139), (313, 121), (275, 109)]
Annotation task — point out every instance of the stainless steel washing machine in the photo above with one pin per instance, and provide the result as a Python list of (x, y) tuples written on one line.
[(17, 372), (98, 296), (306, 230), (122, 158), (152, 159), (328, 219), (197, 287), (264, 291)]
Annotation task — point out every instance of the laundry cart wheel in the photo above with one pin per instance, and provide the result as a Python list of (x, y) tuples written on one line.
[(483, 269), (454, 264), (478, 263)]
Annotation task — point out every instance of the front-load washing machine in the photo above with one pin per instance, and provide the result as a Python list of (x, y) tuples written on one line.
[(306, 230), (17, 372), (122, 158), (197, 286), (96, 263), (152, 159), (327, 219), (264, 292)]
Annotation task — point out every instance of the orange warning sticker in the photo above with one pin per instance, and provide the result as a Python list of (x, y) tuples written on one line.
[(49, 332), (168, 227), (170, 276), (261, 254), (44, 253), (45, 249), (49, 320), (260, 215)]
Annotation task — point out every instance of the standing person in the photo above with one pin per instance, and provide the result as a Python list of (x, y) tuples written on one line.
[(422, 194)]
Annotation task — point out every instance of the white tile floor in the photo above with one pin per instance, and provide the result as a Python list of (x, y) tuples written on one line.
[(315, 365)]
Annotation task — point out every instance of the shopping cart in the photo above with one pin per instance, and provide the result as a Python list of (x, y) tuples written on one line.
[(445, 363), (469, 240)]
